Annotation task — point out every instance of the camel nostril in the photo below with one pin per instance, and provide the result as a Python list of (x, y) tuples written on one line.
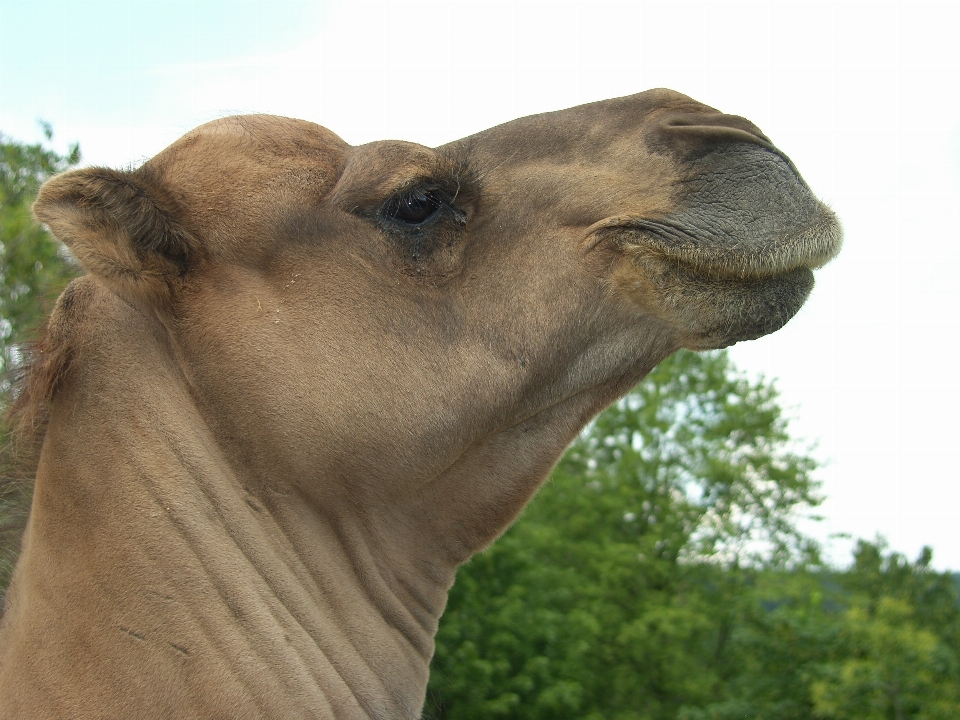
[(713, 119), (694, 134), (715, 128)]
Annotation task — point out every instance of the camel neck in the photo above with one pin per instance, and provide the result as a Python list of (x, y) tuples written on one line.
[(151, 566), (169, 571)]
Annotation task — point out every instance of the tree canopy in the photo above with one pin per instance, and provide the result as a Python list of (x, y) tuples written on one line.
[(660, 574), (34, 268)]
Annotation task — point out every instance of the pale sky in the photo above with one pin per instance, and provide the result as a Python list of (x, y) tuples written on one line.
[(862, 96)]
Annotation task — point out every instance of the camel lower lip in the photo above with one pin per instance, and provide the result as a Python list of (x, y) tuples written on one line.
[(709, 306), (752, 308)]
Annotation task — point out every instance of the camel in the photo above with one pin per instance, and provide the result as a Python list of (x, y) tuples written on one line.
[(302, 382)]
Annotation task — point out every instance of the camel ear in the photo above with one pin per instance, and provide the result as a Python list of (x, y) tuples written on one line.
[(120, 227)]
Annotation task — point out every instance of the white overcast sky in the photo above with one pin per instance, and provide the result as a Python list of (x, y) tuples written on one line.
[(865, 98)]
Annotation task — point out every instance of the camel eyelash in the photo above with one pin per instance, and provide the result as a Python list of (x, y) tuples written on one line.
[(417, 206)]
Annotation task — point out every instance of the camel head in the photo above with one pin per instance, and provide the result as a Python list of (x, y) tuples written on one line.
[(375, 354)]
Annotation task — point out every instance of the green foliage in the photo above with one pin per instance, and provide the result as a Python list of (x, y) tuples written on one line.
[(600, 602), (33, 266), (700, 457), (659, 575), (33, 270), (898, 652)]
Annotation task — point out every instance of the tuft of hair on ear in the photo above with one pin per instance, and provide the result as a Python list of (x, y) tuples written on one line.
[(121, 226)]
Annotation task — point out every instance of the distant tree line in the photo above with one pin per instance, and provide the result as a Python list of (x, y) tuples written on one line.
[(659, 574)]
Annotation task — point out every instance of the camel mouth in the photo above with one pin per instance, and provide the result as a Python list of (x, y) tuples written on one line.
[(808, 248), (735, 258)]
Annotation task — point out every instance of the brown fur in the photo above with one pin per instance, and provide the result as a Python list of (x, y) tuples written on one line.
[(47, 362), (279, 412)]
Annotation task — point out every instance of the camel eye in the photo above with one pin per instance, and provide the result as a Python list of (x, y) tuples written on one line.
[(415, 208)]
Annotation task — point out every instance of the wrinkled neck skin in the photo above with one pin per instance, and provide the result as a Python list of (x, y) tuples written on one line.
[(179, 593), (186, 586)]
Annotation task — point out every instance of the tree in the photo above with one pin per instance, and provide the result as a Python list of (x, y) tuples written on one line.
[(602, 602), (891, 669), (34, 269), (608, 599), (878, 640), (898, 650)]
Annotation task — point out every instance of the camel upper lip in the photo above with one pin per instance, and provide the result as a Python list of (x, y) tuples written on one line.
[(810, 247), (742, 212)]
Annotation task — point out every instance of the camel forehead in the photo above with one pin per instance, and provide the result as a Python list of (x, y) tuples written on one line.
[(229, 176), (278, 135), (244, 149)]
